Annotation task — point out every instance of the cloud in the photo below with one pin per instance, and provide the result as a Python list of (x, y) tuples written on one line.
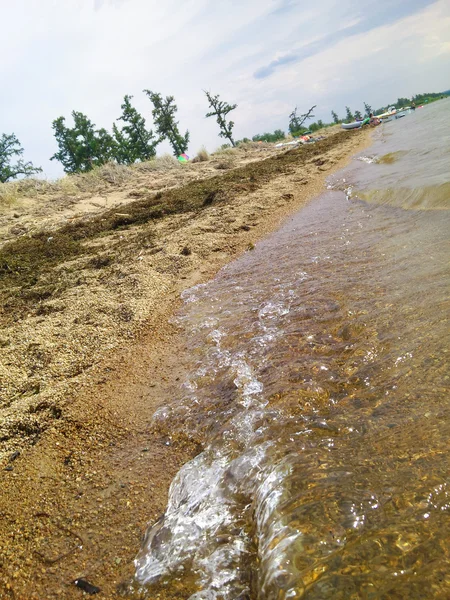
[(270, 68), (354, 21)]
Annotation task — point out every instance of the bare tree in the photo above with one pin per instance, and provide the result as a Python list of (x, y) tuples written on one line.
[(296, 122), (221, 110)]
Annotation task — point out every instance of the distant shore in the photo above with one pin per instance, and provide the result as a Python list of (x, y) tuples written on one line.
[(88, 353)]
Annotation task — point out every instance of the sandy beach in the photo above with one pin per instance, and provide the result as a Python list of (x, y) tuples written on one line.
[(88, 352)]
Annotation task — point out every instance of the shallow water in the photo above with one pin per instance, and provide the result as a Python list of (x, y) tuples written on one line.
[(317, 380)]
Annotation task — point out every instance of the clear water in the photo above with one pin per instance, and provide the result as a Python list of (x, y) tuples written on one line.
[(317, 380)]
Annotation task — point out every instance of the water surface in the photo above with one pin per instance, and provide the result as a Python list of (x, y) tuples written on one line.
[(317, 380)]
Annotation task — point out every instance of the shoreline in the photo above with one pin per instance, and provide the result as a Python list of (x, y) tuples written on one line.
[(76, 503)]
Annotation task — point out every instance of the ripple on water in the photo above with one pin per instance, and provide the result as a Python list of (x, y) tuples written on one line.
[(316, 380)]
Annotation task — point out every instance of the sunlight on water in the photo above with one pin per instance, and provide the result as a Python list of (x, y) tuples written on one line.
[(317, 383)]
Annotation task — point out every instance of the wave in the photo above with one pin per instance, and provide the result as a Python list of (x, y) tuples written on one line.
[(434, 197)]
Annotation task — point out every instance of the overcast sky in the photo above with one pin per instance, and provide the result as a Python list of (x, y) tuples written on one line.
[(265, 55)]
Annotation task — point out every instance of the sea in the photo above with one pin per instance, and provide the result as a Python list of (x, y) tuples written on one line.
[(317, 375)]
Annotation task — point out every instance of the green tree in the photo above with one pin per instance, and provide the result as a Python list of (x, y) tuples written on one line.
[(122, 151), (367, 109), (402, 102), (269, 137), (164, 111), (220, 110), (429, 97), (335, 117), (296, 122), (358, 115), (348, 115), (9, 149), (134, 142), (82, 147)]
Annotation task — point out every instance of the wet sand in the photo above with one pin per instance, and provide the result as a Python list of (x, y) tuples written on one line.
[(76, 500)]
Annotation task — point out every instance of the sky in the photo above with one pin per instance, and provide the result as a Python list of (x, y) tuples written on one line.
[(268, 56)]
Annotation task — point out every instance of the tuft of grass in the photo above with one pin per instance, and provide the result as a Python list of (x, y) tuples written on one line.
[(166, 162), (110, 174), (220, 152), (8, 195), (12, 191), (225, 164), (202, 155), (66, 186)]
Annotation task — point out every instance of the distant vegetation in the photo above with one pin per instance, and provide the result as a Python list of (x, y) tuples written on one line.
[(401, 102), (83, 147), (276, 136), (418, 99)]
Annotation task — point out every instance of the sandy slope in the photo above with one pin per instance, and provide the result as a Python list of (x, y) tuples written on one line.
[(81, 379)]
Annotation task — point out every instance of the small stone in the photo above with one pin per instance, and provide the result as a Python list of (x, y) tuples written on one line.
[(86, 586)]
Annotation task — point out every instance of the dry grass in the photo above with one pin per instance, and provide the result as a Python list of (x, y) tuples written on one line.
[(226, 163), (166, 162), (225, 152), (106, 176), (109, 174), (12, 191), (8, 195), (202, 155), (246, 146)]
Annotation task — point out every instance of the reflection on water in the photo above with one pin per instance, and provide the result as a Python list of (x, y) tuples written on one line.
[(316, 378)]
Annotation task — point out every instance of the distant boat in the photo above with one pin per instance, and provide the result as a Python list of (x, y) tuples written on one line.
[(353, 125), (403, 112), (389, 113), (356, 124), (397, 115)]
